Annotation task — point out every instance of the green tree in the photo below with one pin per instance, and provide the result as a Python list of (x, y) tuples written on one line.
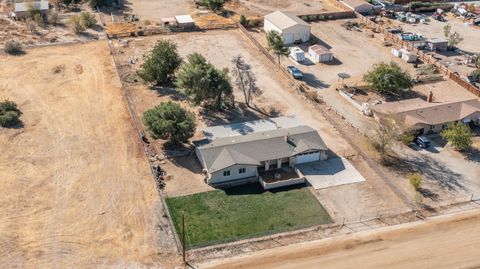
[(94, 4), (161, 63), (277, 45), (388, 130), (243, 20), (87, 19), (415, 180), (388, 78), (171, 122), (214, 5), (475, 74), (9, 113), (459, 135), (453, 38), (203, 83), (75, 24)]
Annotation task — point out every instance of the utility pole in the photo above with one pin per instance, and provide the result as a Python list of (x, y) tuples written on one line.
[(183, 237)]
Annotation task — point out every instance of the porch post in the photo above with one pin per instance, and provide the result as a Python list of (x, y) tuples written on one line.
[(279, 163)]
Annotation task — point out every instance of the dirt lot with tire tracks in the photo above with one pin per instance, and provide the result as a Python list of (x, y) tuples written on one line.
[(75, 188)]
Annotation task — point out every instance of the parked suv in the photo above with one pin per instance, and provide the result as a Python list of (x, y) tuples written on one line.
[(296, 73), (422, 141)]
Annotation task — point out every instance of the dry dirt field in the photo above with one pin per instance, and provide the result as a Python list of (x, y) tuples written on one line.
[(155, 10), (263, 7), (75, 188), (444, 242), (369, 196), (60, 33)]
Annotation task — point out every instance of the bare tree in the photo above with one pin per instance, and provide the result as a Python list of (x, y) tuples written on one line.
[(245, 80), (389, 129)]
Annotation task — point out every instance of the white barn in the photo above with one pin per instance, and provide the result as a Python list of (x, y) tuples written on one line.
[(291, 27)]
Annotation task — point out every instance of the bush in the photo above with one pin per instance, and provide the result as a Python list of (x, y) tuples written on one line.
[(475, 74), (171, 122), (407, 138), (9, 113), (87, 19), (214, 5), (53, 18), (252, 23), (243, 20), (415, 180), (13, 48), (31, 26), (75, 24), (38, 18)]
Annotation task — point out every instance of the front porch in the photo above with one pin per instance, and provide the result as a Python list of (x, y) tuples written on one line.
[(280, 177)]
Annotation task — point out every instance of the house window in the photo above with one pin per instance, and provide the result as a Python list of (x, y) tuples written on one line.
[(226, 173), (432, 127), (242, 170)]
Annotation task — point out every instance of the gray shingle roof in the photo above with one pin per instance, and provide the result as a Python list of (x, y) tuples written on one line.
[(257, 147)]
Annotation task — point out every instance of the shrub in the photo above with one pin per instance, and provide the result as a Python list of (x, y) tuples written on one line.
[(53, 18), (38, 18), (31, 26), (407, 138), (13, 48), (171, 122), (415, 180), (475, 74), (252, 23), (87, 19), (9, 113), (75, 24), (243, 20)]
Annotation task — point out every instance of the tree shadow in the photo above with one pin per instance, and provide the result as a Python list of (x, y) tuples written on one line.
[(434, 171), (428, 194), (472, 155), (239, 113), (312, 81), (171, 92)]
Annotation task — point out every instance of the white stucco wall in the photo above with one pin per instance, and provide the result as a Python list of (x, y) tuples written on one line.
[(298, 31), (217, 177)]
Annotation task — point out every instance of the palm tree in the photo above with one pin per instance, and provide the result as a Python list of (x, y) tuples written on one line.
[(277, 45)]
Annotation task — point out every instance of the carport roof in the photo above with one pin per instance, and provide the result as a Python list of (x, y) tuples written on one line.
[(285, 19)]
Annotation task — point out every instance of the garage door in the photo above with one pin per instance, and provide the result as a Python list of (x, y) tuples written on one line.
[(288, 38), (311, 157)]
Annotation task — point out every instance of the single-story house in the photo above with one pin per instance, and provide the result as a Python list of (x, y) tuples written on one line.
[(292, 28), (246, 152), (438, 44), (21, 9), (430, 117), (185, 21), (320, 53), (360, 6)]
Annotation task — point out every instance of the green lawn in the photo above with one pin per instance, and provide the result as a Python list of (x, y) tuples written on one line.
[(246, 211)]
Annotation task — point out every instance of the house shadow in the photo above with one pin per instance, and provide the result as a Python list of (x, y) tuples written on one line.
[(256, 189), (189, 162), (450, 53), (473, 155), (334, 61)]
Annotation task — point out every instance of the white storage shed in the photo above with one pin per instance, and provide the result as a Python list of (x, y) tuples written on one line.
[(320, 54), (292, 28)]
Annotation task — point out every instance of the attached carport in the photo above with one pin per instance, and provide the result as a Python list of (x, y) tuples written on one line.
[(329, 173)]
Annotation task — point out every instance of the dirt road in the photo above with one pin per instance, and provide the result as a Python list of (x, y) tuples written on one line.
[(444, 242), (75, 188)]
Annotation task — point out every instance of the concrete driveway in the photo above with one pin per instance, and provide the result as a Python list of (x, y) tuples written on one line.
[(329, 173)]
